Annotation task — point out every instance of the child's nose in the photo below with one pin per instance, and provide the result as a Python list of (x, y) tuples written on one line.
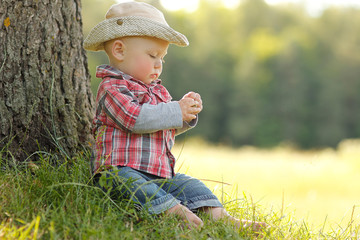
[(158, 63)]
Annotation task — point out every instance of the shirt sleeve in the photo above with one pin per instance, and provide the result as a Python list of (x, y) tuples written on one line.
[(122, 108), (186, 126), (162, 116)]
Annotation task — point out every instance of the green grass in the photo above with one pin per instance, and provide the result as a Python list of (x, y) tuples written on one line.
[(58, 201)]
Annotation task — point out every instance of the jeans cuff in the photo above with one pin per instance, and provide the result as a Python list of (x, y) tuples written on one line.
[(203, 201), (161, 204)]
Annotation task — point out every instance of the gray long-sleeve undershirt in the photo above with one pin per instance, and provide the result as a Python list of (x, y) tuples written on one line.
[(153, 118)]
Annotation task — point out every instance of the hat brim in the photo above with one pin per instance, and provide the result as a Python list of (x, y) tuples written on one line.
[(131, 26)]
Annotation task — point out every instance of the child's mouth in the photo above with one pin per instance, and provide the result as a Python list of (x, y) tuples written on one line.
[(154, 76)]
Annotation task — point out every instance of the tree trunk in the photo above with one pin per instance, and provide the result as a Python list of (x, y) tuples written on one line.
[(45, 97)]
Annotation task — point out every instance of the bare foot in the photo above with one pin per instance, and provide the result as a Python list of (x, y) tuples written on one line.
[(219, 213), (185, 214), (252, 225)]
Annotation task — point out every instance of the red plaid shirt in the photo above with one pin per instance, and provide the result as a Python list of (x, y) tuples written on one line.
[(118, 104)]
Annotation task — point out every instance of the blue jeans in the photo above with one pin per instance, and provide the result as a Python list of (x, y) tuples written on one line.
[(157, 194)]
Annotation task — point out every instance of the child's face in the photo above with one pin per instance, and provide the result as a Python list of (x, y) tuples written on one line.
[(143, 58)]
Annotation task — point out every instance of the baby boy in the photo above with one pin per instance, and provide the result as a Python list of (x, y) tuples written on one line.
[(136, 120)]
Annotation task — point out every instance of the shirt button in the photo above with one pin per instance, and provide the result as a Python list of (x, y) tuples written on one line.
[(119, 22)]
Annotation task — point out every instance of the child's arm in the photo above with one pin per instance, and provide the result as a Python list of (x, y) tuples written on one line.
[(180, 115), (162, 116), (125, 112)]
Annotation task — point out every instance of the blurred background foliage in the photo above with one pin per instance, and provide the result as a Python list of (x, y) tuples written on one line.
[(267, 75)]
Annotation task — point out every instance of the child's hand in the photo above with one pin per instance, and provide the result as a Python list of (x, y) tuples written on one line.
[(194, 96), (190, 105)]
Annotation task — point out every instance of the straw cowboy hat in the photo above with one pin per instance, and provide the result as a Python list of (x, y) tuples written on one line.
[(132, 19)]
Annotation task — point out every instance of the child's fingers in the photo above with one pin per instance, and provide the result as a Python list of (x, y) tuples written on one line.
[(196, 109), (198, 97), (189, 117), (189, 95), (195, 103), (192, 103), (193, 95), (189, 108)]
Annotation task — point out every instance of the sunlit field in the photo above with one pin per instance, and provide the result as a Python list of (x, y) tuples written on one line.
[(320, 187)]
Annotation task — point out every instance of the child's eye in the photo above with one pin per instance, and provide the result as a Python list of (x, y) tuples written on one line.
[(154, 57)]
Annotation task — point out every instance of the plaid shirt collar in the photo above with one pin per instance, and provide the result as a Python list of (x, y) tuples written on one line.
[(104, 71)]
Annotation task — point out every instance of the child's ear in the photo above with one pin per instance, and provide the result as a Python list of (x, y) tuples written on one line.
[(118, 49)]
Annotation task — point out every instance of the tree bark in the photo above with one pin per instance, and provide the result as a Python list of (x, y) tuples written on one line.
[(45, 97)]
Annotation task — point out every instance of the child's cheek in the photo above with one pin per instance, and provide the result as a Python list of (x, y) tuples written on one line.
[(146, 67)]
